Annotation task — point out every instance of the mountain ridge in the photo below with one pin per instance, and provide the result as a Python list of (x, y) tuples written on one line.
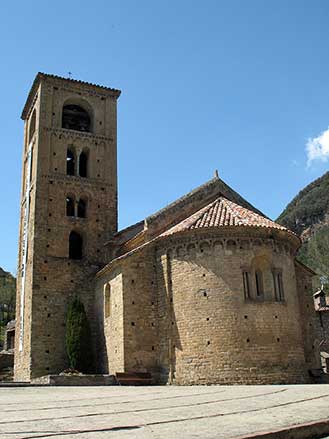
[(308, 216)]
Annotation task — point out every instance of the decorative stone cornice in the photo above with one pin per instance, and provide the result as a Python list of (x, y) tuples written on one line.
[(85, 182), (72, 134)]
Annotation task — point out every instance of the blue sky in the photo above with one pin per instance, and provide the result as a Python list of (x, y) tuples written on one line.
[(241, 86)]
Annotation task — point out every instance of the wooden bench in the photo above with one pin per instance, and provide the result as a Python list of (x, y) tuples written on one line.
[(133, 378)]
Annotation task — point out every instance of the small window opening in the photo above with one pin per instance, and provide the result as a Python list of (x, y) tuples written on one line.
[(31, 166), (70, 162), (32, 125), (246, 285), (259, 284), (278, 286), (83, 164), (69, 206), (107, 300), (75, 246), (75, 118), (82, 208)]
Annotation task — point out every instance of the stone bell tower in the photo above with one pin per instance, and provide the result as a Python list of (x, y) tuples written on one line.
[(68, 211)]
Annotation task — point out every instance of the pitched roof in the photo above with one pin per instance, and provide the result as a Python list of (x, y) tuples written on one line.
[(223, 212), (193, 201), (219, 213)]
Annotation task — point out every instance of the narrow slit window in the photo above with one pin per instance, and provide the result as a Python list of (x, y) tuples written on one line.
[(32, 125), (246, 285), (31, 166), (275, 284), (259, 284), (107, 300), (280, 287)]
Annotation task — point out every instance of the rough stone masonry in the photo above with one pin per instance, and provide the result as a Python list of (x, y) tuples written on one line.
[(204, 291)]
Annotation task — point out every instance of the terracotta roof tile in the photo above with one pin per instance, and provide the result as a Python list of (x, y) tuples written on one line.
[(223, 212)]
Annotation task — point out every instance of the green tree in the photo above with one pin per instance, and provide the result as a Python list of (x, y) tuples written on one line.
[(78, 337), (315, 253), (7, 297)]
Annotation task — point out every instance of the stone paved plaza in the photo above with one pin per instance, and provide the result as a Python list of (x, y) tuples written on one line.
[(157, 412)]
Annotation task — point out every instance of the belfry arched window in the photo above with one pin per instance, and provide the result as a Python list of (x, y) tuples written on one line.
[(83, 164), (75, 245), (70, 206), (75, 118), (70, 162), (32, 125), (82, 208)]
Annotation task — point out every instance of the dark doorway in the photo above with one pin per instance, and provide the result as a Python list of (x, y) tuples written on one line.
[(75, 246)]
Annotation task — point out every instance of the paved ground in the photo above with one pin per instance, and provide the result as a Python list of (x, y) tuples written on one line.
[(157, 412)]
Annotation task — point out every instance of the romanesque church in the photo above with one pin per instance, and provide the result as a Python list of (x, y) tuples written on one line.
[(206, 290)]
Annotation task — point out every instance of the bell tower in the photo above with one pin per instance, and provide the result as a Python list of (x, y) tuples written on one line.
[(68, 211)]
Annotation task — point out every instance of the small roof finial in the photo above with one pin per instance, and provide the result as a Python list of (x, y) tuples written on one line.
[(70, 75), (216, 174)]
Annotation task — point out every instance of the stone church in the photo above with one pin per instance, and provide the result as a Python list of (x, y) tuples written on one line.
[(206, 290)]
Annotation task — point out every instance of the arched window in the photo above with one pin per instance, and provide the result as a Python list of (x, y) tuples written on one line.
[(75, 118), (70, 162), (70, 206), (83, 164), (259, 283), (32, 125), (82, 208), (75, 246)]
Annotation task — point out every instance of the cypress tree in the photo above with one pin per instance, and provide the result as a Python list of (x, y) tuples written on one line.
[(78, 337)]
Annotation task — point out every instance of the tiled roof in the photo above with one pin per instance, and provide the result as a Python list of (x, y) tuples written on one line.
[(77, 81), (219, 213), (223, 212)]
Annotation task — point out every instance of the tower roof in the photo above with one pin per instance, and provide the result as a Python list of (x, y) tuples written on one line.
[(45, 76)]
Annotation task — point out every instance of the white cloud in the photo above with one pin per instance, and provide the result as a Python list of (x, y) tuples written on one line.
[(317, 148)]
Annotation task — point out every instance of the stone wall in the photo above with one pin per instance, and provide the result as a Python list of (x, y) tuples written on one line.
[(110, 328), (310, 323), (186, 318), (51, 277), (210, 333), (130, 331)]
